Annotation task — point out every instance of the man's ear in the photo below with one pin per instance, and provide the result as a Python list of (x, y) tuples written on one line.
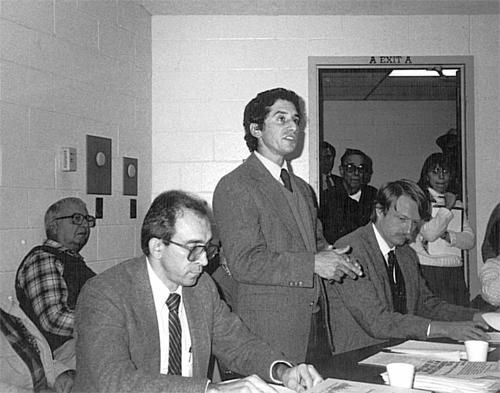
[(255, 130), (156, 247), (341, 170), (53, 229), (379, 212)]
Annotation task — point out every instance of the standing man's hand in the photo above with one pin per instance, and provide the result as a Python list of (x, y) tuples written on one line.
[(334, 264)]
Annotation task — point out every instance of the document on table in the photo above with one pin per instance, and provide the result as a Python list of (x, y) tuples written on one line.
[(332, 385), (431, 350)]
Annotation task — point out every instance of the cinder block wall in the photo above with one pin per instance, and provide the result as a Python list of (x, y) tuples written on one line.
[(206, 68), (68, 69)]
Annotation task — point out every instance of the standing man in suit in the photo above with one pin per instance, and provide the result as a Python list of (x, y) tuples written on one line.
[(151, 323), (348, 207), (272, 240), (392, 300), (328, 180)]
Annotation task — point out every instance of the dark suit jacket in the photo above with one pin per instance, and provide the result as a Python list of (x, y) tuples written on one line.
[(118, 344), (341, 214), (267, 255), (362, 309)]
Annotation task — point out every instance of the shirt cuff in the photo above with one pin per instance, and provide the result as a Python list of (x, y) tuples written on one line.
[(271, 370), (429, 329)]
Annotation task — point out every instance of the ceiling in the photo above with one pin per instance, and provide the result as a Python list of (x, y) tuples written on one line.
[(375, 84), (320, 7)]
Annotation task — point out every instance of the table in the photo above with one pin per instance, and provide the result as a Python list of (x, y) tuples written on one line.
[(345, 365)]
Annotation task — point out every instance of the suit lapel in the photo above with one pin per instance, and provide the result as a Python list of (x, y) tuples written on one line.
[(378, 261), (198, 329), (145, 308), (271, 189)]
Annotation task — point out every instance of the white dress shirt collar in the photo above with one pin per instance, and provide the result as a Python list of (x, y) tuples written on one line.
[(356, 196), (382, 244), (272, 167)]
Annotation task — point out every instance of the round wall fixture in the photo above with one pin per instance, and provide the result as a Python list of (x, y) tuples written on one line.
[(100, 158), (131, 170)]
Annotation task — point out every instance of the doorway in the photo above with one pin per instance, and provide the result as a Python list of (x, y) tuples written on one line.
[(376, 105)]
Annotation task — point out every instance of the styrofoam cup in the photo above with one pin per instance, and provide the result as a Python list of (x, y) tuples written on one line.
[(401, 374), (477, 351)]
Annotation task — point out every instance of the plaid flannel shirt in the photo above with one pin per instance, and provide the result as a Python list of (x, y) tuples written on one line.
[(42, 280), (25, 346)]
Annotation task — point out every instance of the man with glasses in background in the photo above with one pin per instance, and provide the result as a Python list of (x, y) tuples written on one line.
[(150, 324), (344, 209), (50, 277)]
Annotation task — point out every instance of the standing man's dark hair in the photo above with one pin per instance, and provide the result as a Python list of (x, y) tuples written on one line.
[(162, 215), (258, 108)]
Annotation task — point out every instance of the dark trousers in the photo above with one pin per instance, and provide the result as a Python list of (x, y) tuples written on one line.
[(318, 348)]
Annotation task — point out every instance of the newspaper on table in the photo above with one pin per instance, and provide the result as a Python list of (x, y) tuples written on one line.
[(445, 376), (332, 385)]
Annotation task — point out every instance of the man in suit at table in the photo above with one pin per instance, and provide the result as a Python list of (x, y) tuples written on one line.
[(392, 300), (149, 324), (272, 240)]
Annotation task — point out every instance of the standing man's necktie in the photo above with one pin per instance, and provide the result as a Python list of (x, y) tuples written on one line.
[(285, 177), (175, 334), (397, 284)]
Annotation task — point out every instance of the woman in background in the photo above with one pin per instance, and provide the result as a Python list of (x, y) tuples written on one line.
[(437, 245)]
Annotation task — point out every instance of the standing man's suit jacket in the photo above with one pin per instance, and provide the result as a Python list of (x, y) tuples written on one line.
[(362, 309), (118, 345), (267, 255)]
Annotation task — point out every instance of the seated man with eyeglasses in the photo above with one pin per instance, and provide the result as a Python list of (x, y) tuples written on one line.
[(150, 324), (344, 209), (50, 277)]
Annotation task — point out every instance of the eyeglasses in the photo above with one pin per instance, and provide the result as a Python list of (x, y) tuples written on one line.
[(195, 252), (351, 168), (78, 219), (439, 170)]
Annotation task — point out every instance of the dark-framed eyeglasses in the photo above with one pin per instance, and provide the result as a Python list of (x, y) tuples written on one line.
[(78, 219), (195, 252), (351, 168)]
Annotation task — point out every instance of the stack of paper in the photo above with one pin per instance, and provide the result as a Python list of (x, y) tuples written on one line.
[(332, 385), (439, 375), (451, 385)]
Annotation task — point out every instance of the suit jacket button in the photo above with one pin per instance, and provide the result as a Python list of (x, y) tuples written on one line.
[(291, 283), (301, 283), (311, 304)]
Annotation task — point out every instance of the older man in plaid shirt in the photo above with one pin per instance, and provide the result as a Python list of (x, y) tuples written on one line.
[(51, 276)]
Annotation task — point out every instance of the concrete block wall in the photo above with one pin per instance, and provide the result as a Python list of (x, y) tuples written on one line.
[(206, 68), (71, 68)]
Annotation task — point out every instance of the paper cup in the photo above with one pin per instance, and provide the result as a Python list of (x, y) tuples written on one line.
[(401, 374), (477, 351)]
